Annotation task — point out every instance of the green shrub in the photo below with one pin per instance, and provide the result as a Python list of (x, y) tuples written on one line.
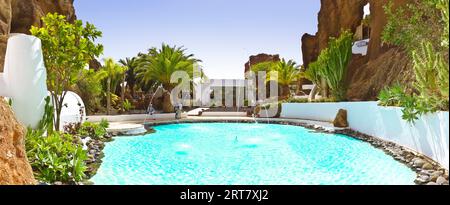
[(55, 157), (393, 96), (127, 106), (95, 131)]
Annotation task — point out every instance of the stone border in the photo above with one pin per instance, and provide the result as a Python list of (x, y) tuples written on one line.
[(429, 172)]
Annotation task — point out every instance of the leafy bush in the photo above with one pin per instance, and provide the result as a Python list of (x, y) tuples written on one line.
[(127, 106), (89, 87), (393, 96), (95, 131), (55, 157)]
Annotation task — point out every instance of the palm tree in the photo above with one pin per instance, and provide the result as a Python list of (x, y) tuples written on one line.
[(288, 73), (131, 64), (159, 65), (115, 74)]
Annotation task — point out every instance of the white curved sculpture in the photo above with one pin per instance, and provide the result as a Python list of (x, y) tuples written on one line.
[(73, 110), (24, 78)]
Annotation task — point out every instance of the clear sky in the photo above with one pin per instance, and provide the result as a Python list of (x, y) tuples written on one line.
[(222, 33)]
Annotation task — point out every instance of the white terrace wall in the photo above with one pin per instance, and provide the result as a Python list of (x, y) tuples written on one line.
[(429, 135)]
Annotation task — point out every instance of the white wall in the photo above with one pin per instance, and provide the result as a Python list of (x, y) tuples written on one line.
[(428, 135), (24, 78)]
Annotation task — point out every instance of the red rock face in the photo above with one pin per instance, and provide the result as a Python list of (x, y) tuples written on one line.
[(260, 58), (17, 16), (382, 66), (14, 166)]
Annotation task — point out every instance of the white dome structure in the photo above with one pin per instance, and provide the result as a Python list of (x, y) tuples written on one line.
[(73, 111)]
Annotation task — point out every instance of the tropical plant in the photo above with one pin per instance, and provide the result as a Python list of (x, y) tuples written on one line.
[(54, 156), (421, 27), (392, 96), (414, 22), (159, 65), (67, 49), (127, 106), (432, 77), (287, 72), (332, 64), (131, 64), (95, 131), (115, 74), (89, 87)]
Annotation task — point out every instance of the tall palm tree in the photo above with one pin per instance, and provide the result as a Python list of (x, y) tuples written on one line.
[(131, 64), (159, 65), (115, 74), (288, 73)]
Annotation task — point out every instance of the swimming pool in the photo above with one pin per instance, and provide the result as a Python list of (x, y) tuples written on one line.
[(246, 154)]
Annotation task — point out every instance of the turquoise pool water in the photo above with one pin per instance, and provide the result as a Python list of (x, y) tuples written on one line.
[(246, 154)]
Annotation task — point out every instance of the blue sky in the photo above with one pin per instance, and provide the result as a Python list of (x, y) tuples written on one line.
[(222, 33)]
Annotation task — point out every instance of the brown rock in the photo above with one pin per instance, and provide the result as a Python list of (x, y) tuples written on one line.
[(427, 166), (383, 66), (260, 58), (341, 119), (310, 49), (17, 16), (14, 166)]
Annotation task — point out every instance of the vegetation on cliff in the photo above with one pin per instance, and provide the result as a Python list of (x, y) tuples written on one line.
[(422, 29)]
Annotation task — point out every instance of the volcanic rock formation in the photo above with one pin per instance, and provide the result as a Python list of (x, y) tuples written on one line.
[(383, 66), (14, 166), (17, 16), (260, 58)]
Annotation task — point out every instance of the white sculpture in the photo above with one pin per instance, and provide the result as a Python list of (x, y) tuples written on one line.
[(73, 110), (24, 78)]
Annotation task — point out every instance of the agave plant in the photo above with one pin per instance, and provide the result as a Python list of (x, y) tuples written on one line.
[(159, 65)]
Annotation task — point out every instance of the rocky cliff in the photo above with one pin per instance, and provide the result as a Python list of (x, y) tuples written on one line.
[(14, 166), (17, 16), (367, 75)]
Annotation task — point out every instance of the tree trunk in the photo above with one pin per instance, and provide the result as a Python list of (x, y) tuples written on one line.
[(123, 93), (108, 97), (286, 91), (58, 119), (167, 104)]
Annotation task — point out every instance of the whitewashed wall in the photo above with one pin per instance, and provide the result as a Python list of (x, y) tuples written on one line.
[(428, 135), (24, 78)]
